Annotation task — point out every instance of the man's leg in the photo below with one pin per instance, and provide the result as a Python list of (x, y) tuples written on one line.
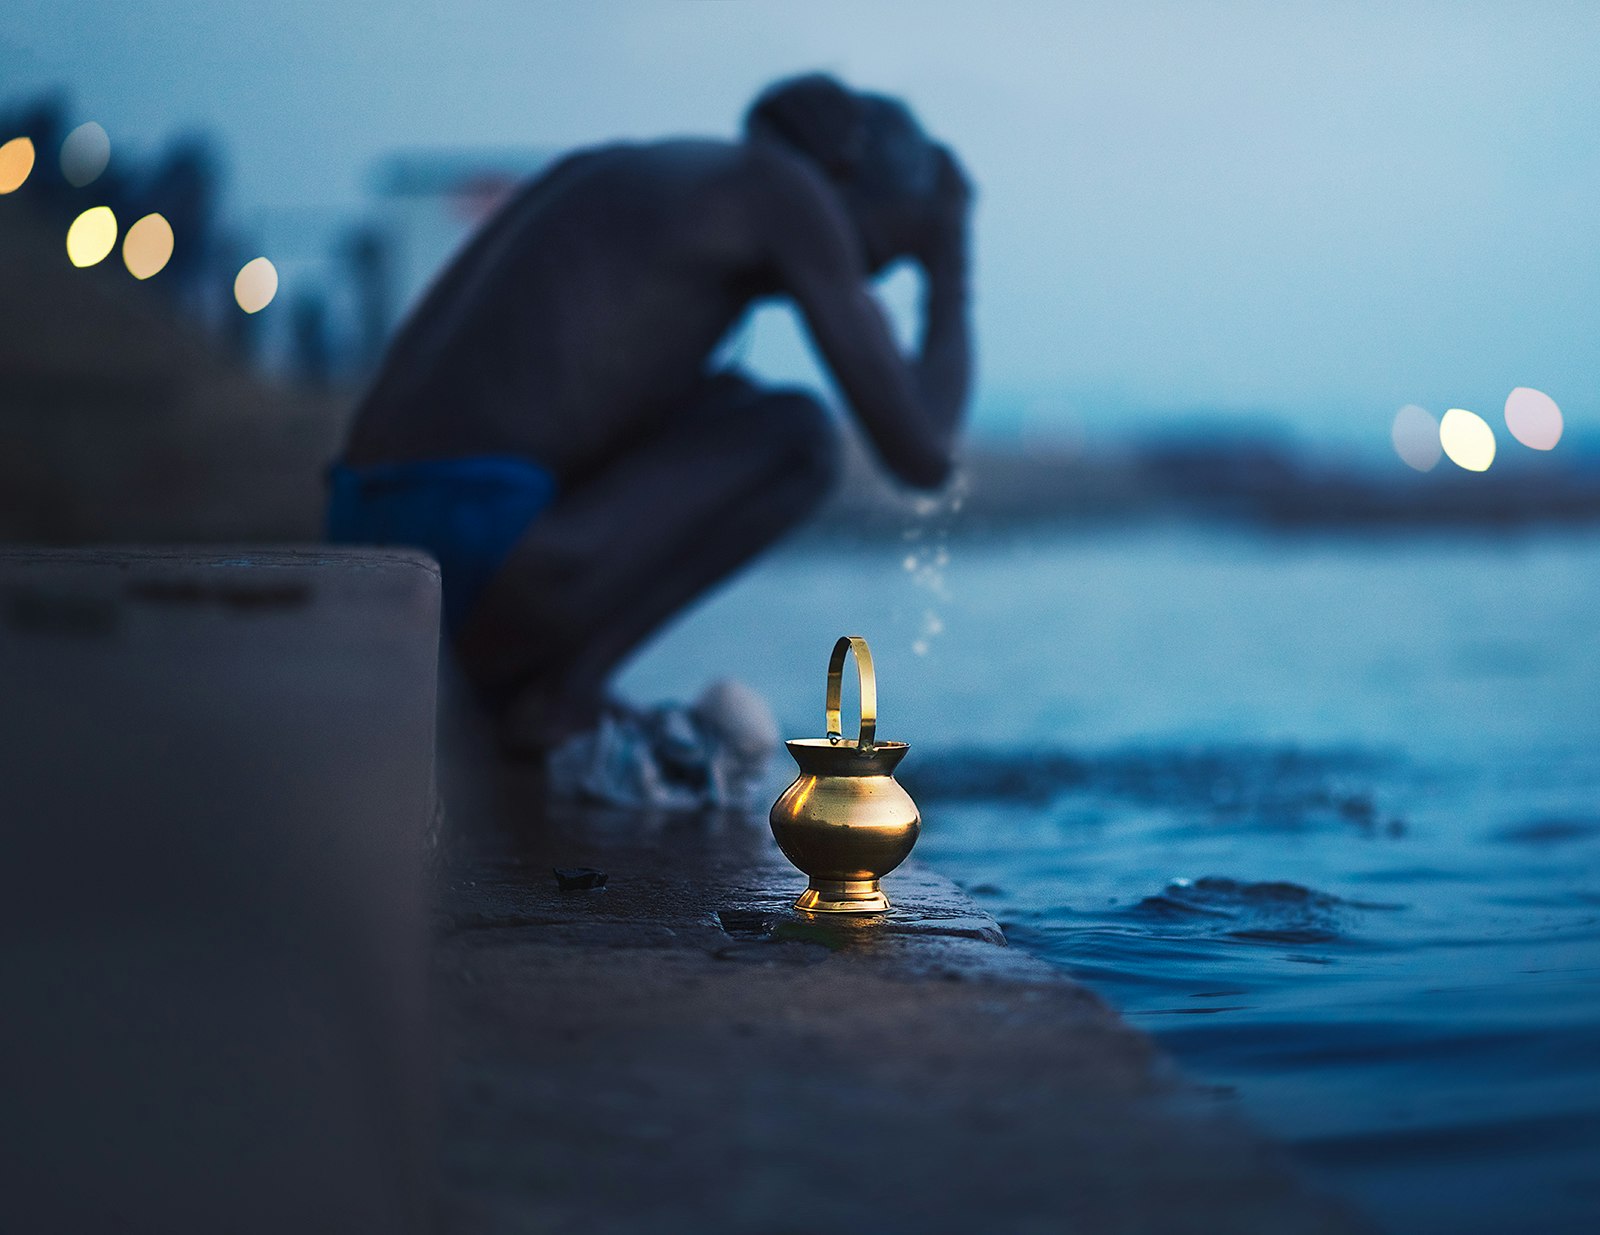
[(617, 555)]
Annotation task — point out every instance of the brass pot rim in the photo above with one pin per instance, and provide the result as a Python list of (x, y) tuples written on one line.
[(847, 744), (845, 756)]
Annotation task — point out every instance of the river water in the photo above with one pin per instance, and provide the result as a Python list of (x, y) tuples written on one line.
[(1320, 814)]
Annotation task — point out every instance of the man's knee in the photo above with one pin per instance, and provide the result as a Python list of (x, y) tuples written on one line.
[(809, 438)]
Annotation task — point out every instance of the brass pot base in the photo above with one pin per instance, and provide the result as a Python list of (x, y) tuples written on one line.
[(843, 896)]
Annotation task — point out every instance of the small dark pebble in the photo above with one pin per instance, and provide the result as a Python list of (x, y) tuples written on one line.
[(745, 923), (578, 878)]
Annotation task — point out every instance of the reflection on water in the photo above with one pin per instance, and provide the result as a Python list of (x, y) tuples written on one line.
[(1323, 816)]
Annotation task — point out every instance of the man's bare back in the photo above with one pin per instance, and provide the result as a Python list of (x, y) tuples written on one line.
[(588, 307), (547, 423)]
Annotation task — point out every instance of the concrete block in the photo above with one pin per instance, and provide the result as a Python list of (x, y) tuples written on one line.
[(216, 793)]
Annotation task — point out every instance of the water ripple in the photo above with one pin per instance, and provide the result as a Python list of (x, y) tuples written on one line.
[(1545, 832), (1267, 912), (1284, 785)]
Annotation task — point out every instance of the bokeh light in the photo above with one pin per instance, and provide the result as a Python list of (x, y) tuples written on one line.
[(16, 163), (255, 285), (84, 154), (1533, 418), (92, 236), (147, 248), (1467, 439), (1415, 434)]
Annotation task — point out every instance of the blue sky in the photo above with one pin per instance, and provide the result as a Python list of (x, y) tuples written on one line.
[(1313, 212)]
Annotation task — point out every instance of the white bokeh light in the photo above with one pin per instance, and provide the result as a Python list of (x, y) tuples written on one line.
[(84, 154), (1467, 439), (1415, 434), (1533, 418)]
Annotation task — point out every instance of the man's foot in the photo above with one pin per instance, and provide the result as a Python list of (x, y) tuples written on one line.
[(713, 753)]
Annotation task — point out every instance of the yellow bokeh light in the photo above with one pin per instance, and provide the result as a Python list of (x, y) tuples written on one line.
[(84, 154), (1533, 418), (16, 163), (147, 248), (92, 236), (1415, 434), (1467, 439), (255, 285)]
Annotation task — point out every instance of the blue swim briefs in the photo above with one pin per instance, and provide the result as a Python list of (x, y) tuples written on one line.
[(468, 513)]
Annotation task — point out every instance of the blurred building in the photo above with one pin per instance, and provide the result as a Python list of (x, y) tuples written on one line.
[(127, 419)]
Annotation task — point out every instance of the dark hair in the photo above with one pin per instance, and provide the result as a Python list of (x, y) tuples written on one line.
[(868, 140)]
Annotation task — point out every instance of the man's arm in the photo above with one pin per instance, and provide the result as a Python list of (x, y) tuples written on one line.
[(944, 360), (911, 411)]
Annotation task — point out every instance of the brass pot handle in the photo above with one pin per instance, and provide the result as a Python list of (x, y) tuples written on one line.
[(869, 690)]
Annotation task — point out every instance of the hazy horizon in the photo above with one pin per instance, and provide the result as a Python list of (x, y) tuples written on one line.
[(1316, 214)]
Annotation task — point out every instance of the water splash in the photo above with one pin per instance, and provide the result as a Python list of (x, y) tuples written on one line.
[(927, 555), (932, 626)]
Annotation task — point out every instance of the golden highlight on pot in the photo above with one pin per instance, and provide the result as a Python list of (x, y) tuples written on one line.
[(845, 821)]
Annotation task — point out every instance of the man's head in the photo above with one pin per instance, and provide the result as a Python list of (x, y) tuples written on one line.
[(869, 145)]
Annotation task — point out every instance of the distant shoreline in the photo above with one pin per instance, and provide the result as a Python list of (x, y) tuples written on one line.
[(1238, 481)]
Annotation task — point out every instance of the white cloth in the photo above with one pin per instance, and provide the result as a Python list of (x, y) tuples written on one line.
[(713, 753)]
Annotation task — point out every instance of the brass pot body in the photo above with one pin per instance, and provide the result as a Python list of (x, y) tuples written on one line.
[(845, 821)]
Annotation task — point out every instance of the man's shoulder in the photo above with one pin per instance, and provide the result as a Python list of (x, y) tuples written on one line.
[(759, 164), (797, 203), (777, 178), (769, 165), (754, 198)]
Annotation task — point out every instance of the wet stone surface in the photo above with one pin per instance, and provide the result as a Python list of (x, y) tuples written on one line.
[(716, 878), (681, 1050)]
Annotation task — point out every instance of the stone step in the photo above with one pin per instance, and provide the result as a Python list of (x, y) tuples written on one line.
[(216, 791)]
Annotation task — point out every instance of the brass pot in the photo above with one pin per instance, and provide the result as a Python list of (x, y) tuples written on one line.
[(845, 821)]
